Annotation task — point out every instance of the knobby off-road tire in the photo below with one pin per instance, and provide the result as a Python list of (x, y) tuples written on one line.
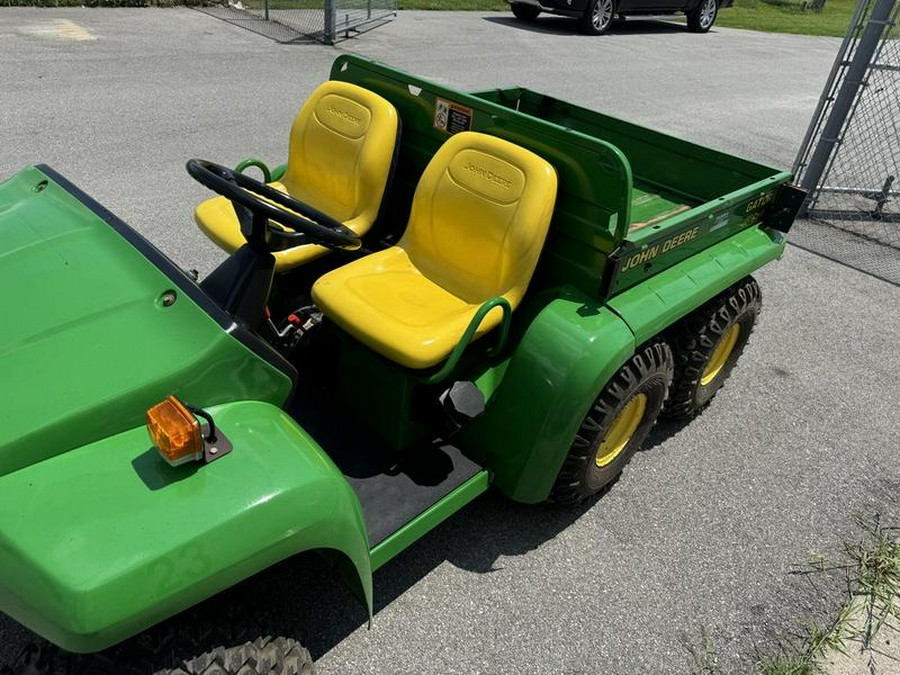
[(263, 656), (524, 12), (703, 16), (275, 656), (707, 343), (616, 424)]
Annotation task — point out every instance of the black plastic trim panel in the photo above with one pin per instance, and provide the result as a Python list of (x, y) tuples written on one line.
[(781, 214)]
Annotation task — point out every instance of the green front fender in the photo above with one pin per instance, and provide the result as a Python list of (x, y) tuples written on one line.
[(571, 348), (103, 541)]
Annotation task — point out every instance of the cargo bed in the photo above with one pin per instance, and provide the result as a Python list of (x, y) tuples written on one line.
[(683, 197), (651, 204)]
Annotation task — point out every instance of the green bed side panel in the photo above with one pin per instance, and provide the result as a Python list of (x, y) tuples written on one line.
[(103, 541), (655, 304), (656, 158)]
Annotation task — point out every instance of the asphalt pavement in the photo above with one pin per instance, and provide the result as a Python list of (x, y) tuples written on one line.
[(700, 534)]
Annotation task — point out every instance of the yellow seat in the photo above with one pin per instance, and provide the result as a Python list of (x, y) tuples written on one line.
[(478, 221), (340, 155)]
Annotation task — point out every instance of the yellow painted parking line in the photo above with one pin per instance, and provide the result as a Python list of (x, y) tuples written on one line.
[(58, 29)]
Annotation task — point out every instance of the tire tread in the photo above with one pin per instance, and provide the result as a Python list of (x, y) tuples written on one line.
[(695, 337), (655, 358), (262, 656)]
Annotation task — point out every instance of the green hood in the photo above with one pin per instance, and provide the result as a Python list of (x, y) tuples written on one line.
[(86, 342)]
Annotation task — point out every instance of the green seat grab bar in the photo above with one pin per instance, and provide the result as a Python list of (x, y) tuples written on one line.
[(268, 175), (278, 172), (259, 164), (469, 333)]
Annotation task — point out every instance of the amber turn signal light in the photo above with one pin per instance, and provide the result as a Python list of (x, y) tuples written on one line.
[(175, 432)]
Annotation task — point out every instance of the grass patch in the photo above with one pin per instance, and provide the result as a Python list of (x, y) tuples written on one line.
[(870, 570), (779, 16)]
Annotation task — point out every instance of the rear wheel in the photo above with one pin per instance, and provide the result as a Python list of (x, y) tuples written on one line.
[(616, 424), (703, 16), (598, 16), (524, 12), (707, 344)]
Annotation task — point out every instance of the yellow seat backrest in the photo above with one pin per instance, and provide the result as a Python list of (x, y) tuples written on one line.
[(478, 222), (340, 153), (480, 216)]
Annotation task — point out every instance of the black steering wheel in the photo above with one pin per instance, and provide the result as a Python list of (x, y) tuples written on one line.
[(256, 204)]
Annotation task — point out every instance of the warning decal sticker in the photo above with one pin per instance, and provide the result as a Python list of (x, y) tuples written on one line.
[(451, 117)]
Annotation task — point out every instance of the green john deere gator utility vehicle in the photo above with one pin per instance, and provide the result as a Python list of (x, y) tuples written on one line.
[(439, 292)]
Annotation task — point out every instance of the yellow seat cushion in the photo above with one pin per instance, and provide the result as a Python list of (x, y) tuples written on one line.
[(477, 225), (388, 303), (340, 156)]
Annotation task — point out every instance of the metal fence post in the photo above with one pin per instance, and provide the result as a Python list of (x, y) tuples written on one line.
[(830, 87), (309, 19), (878, 22), (330, 16)]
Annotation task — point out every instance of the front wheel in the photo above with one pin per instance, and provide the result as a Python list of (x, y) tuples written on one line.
[(616, 424), (263, 656), (524, 12), (703, 16), (598, 17), (145, 654)]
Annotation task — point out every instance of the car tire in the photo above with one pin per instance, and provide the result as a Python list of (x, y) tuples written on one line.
[(616, 424), (707, 344), (703, 16), (598, 16), (524, 12)]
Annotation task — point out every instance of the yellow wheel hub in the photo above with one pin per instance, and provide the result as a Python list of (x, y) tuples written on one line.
[(720, 355), (621, 430)]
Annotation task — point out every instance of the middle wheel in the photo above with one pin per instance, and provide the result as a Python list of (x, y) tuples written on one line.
[(616, 424)]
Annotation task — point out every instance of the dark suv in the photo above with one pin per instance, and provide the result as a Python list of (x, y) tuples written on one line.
[(597, 15)]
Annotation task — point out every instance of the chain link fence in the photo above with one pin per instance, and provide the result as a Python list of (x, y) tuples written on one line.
[(850, 157), (325, 21)]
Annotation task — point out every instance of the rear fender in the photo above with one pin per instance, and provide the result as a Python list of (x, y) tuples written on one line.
[(572, 347), (101, 542)]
